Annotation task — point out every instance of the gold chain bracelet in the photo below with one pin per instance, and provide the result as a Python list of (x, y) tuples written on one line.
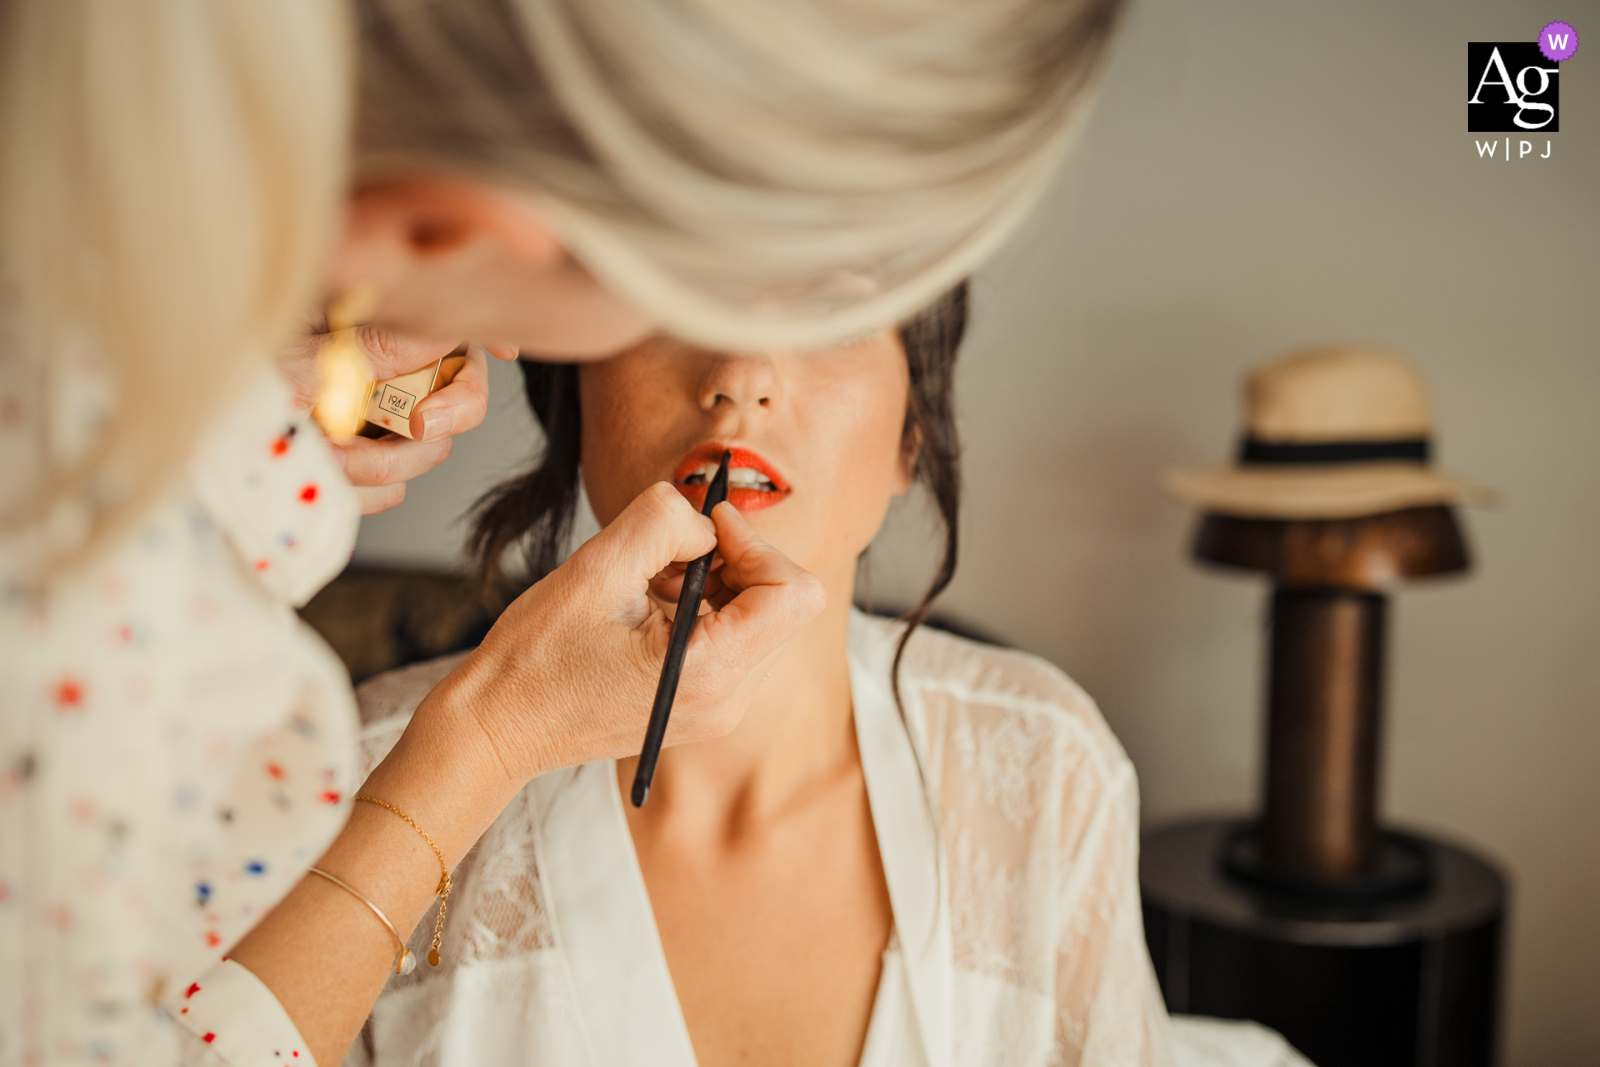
[(443, 891)]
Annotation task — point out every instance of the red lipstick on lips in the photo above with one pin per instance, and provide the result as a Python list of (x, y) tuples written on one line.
[(704, 460)]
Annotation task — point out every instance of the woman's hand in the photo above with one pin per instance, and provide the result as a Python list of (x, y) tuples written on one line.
[(569, 672), (379, 469), (566, 676)]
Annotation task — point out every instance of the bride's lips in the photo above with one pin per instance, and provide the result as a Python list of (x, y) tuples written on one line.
[(743, 464)]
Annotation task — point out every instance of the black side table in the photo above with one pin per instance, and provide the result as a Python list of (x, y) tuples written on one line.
[(1410, 982)]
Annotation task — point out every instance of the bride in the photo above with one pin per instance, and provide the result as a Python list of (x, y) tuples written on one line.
[(914, 849)]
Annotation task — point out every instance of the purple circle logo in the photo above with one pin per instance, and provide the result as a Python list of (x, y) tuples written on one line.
[(1558, 41)]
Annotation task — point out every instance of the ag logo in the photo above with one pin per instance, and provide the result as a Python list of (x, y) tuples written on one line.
[(1511, 87)]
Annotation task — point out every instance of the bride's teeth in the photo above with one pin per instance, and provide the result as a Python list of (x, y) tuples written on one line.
[(702, 476), (738, 478), (748, 478)]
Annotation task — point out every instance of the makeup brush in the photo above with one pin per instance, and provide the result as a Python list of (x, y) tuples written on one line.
[(694, 588)]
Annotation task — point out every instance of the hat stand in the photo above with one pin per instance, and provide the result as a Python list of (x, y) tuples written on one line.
[(1361, 945)]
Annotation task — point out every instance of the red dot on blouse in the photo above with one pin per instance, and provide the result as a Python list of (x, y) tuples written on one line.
[(69, 693), (308, 495), (262, 564), (210, 1037), (194, 988), (213, 939), (281, 445), (330, 797), (278, 773)]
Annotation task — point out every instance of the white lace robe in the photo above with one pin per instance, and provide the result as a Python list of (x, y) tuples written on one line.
[(1012, 878)]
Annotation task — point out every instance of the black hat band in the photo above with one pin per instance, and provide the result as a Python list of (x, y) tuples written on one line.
[(1254, 452)]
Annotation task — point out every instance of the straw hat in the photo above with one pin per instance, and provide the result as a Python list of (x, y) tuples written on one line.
[(1331, 433)]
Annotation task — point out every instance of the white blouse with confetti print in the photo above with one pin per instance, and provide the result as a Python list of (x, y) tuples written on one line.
[(175, 747)]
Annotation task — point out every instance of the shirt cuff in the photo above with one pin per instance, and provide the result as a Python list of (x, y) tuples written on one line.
[(239, 1020)]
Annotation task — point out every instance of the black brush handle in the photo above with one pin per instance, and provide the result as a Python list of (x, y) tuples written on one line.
[(694, 590)]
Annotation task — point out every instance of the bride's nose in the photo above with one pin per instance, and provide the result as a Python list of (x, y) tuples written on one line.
[(742, 382)]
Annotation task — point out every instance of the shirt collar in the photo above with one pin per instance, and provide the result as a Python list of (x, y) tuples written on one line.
[(908, 835)]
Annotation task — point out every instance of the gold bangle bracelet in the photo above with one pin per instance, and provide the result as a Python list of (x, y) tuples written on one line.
[(404, 961), (443, 892)]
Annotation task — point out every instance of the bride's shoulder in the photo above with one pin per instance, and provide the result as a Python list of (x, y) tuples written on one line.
[(388, 700), (973, 695), (396, 693)]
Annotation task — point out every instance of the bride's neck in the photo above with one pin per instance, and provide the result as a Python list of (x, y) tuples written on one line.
[(798, 734)]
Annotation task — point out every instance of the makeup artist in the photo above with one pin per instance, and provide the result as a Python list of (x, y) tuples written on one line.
[(559, 177)]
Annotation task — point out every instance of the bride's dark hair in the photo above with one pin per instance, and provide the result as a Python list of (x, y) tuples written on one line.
[(537, 508)]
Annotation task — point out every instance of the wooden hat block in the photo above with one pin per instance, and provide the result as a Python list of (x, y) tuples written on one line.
[(1319, 831), (1363, 946)]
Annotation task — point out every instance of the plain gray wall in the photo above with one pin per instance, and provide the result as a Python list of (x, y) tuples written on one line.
[(1262, 176)]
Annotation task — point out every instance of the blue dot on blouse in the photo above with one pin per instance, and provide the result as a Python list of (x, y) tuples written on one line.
[(255, 867), (202, 893)]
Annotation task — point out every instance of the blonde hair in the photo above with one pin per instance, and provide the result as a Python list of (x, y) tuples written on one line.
[(172, 175), (747, 172)]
